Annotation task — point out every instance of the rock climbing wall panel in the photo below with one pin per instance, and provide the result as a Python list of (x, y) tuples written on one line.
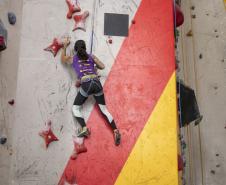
[(140, 91), (139, 85)]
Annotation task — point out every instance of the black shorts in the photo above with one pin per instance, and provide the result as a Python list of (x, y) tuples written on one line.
[(92, 87)]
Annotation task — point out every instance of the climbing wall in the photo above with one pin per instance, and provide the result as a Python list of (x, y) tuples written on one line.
[(139, 83), (8, 83), (202, 67)]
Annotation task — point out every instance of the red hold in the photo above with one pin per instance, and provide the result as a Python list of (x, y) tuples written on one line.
[(78, 83), (3, 36), (77, 150), (72, 8), (54, 47), (79, 147), (179, 16), (180, 163), (133, 21), (69, 178), (48, 135), (110, 41), (11, 102), (80, 21)]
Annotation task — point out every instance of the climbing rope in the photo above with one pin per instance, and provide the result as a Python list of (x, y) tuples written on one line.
[(93, 27)]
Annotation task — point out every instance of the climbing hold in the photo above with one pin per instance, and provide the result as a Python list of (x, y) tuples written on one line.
[(183, 144), (48, 135), (179, 16), (218, 165), (188, 102), (80, 21), (215, 87), (69, 178), (110, 41), (200, 56), (213, 172), (180, 163), (217, 36), (193, 16), (79, 147), (11, 102), (72, 8), (54, 47), (11, 152), (190, 33), (217, 155), (77, 83), (77, 150), (74, 155), (2, 43), (11, 18), (3, 36), (3, 140), (192, 7), (177, 33), (133, 21)]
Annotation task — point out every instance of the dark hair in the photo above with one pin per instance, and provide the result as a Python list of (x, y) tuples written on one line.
[(80, 48)]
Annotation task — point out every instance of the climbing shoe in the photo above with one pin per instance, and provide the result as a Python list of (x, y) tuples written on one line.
[(83, 132), (117, 137)]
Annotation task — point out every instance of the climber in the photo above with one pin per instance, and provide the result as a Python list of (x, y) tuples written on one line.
[(84, 66)]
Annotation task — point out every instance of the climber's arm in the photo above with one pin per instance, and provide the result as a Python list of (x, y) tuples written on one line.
[(98, 63), (64, 57)]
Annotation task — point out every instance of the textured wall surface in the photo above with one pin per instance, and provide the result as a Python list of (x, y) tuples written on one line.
[(139, 78), (46, 88), (8, 82), (203, 67)]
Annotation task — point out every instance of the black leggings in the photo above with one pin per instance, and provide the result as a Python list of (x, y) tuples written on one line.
[(92, 87)]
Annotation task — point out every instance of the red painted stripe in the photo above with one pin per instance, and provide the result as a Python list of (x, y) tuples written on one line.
[(141, 71)]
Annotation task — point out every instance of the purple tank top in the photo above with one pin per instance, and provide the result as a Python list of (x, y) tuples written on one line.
[(83, 67)]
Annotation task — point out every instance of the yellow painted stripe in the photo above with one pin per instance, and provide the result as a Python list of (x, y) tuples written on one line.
[(153, 160), (225, 4)]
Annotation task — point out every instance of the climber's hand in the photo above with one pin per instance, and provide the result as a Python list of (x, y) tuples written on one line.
[(66, 42)]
